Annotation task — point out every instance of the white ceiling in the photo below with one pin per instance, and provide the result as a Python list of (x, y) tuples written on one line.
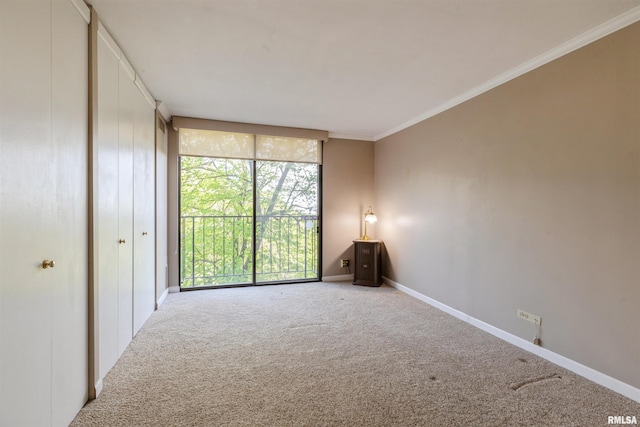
[(357, 68)]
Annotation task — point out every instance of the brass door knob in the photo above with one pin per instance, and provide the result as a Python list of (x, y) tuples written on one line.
[(121, 241), (48, 263)]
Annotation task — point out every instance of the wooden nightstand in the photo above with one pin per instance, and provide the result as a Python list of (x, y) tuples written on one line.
[(368, 271)]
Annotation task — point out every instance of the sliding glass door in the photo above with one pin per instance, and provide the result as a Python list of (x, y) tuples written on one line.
[(286, 221), (216, 222), (248, 221)]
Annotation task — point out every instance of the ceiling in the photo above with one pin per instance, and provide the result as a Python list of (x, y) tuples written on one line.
[(358, 68)]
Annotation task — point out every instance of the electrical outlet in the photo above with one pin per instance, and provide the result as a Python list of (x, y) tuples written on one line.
[(529, 317), (344, 263)]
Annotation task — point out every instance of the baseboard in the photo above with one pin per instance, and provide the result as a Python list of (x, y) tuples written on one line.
[(578, 368), (98, 388), (340, 278), (162, 298), (174, 289)]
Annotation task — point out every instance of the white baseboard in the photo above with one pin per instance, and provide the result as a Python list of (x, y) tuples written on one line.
[(162, 298), (98, 388), (341, 278), (578, 368), (174, 289)]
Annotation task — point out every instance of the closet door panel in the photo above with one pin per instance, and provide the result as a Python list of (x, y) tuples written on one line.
[(162, 260), (143, 212), (69, 162), (127, 90), (125, 123), (25, 213), (105, 210)]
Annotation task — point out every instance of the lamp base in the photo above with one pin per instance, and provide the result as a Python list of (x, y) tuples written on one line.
[(365, 237)]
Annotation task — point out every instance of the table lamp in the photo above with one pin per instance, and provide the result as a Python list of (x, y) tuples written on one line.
[(369, 217)]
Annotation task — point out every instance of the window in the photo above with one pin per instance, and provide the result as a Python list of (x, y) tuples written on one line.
[(249, 208)]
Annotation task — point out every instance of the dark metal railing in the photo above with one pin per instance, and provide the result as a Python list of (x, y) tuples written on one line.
[(218, 250)]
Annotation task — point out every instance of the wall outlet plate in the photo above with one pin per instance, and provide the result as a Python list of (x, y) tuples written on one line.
[(344, 263), (529, 317)]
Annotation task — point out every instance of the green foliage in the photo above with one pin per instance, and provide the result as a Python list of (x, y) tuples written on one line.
[(216, 214)]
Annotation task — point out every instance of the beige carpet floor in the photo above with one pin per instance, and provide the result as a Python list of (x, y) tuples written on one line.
[(333, 354)]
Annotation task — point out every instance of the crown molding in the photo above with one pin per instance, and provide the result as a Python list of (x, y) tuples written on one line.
[(135, 77), (145, 92), (164, 111), (619, 22), (82, 9)]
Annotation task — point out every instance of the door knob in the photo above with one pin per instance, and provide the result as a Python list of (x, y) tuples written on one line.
[(144, 233), (48, 263), (121, 241)]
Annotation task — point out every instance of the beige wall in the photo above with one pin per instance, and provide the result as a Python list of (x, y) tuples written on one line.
[(528, 196), (347, 191)]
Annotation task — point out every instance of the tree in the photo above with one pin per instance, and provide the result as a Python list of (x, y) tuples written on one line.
[(216, 209)]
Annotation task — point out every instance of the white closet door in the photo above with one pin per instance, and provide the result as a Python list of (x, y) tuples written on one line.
[(143, 212), (43, 215), (127, 90), (25, 213), (125, 127), (105, 209), (69, 176), (162, 262)]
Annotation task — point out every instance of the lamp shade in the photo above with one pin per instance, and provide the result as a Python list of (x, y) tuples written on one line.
[(369, 217)]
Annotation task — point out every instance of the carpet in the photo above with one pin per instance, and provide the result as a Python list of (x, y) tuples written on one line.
[(334, 354)]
